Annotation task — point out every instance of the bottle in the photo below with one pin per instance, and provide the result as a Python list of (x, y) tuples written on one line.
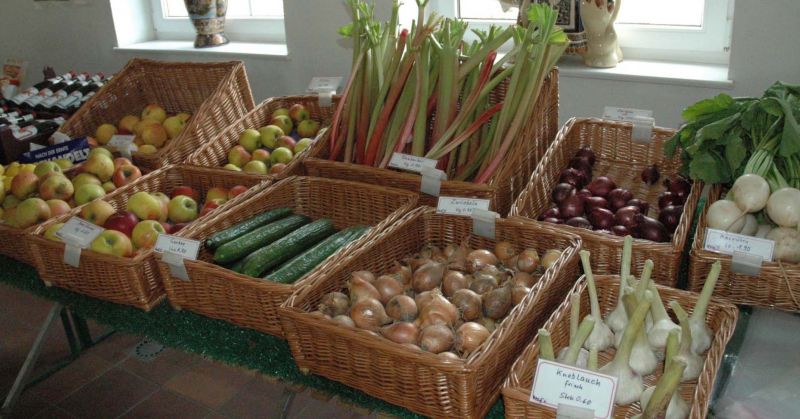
[(17, 119), (36, 88), (49, 103), (37, 127), (74, 99), (43, 94)]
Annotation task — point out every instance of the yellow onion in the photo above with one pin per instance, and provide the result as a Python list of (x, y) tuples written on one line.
[(401, 332), (468, 304), (504, 251), (387, 287), (334, 304), (448, 356), (454, 281), (344, 320), (550, 257), (528, 260), (436, 338), (479, 259), (524, 279), (402, 308), (361, 289), (470, 336), (428, 277), (497, 303), (369, 314), (518, 293)]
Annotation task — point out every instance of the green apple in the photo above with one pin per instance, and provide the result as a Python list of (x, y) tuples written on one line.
[(46, 167), (112, 242), (31, 211), (154, 111), (232, 167), (174, 125), (308, 128), (85, 179), (10, 202), (145, 206), (261, 155), (58, 207), (88, 193), (284, 122), (250, 139), (280, 112), (50, 233), (146, 233), (164, 199), (239, 156), (24, 184), (101, 150), (256, 167), (64, 164), (217, 193), (97, 212), (281, 155), (270, 135), (303, 144), (299, 113), (109, 186), (56, 187), (182, 209), (100, 166)]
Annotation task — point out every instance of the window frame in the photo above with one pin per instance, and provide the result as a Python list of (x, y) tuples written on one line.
[(238, 29)]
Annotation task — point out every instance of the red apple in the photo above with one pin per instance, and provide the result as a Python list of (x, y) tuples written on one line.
[(277, 168), (122, 221), (125, 174), (167, 226), (185, 191), (236, 190), (177, 227), (121, 161), (287, 141), (211, 205)]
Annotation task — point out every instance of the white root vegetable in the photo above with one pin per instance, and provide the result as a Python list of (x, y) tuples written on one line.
[(629, 383), (694, 362), (571, 355), (654, 400), (662, 323), (787, 244), (750, 225), (701, 334), (725, 215), (750, 192), (545, 345), (643, 360), (763, 230), (601, 337), (783, 207), (618, 318)]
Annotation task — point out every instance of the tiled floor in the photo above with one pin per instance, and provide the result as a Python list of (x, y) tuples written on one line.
[(109, 381)]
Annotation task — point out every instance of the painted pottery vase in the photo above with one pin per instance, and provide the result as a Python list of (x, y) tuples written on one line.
[(208, 18)]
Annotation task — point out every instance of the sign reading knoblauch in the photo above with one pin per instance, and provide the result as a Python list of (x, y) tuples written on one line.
[(76, 151)]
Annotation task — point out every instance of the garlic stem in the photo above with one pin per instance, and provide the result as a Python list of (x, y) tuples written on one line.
[(662, 323), (643, 361), (545, 345), (630, 385), (665, 388), (592, 365), (586, 327), (601, 337), (574, 315), (701, 334), (644, 281), (673, 345), (617, 319), (694, 362)]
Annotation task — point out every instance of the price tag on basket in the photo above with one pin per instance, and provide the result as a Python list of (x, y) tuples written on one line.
[(325, 88), (77, 234), (410, 163), (453, 205), (748, 252), (484, 222), (557, 385), (431, 182), (642, 120), (123, 144), (174, 250)]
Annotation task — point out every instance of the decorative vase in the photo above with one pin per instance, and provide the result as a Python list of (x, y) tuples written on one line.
[(598, 17), (208, 18)]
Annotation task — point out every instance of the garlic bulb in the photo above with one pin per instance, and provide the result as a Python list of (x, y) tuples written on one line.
[(701, 334), (570, 357), (654, 399), (643, 360), (662, 323), (629, 383), (694, 362), (617, 319)]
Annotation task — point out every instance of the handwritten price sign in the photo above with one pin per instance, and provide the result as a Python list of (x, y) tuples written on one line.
[(185, 248), (556, 384), (729, 243), (460, 206)]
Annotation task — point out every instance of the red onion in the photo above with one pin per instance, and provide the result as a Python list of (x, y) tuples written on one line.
[(617, 198), (601, 186), (650, 175), (579, 222), (572, 176), (651, 229), (680, 187), (670, 216), (587, 154), (571, 207), (666, 199), (582, 165), (561, 192), (626, 216), (550, 213), (595, 202), (553, 220), (601, 218), (620, 230), (643, 205), (584, 194)]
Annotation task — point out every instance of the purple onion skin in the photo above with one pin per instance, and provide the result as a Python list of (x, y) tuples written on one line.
[(644, 207), (650, 175), (584, 194), (626, 216), (601, 186), (572, 176), (601, 218), (587, 154), (581, 165), (620, 230), (651, 229), (561, 192), (553, 220), (668, 198), (618, 198), (579, 222), (595, 202), (680, 187), (670, 216), (550, 213), (571, 207)]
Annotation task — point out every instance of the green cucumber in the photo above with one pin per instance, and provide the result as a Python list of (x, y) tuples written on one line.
[(258, 238), (221, 237), (237, 266), (302, 264), (288, 247)]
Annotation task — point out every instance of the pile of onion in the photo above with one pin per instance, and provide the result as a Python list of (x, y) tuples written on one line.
[(445, 301), (599, 204)]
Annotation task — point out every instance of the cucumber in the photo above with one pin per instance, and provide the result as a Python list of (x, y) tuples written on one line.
[(260, 237), (286, 248), (302, 264), (237, 266), (221, 237)]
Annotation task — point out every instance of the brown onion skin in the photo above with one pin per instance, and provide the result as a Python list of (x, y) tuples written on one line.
[(454, 281), (480, 259), (448, 356), (402, 308), (518, 293), (469, 304), (334, 304), (488, 323), (470, 336), (525, 279), (404, 271), (369, 314), (411, 346), (365, 275), (436, 338), (361, 289), (550, 257), (439, 308), (528, 260), (387, 287), (428, 277), (401, 332), (483, 284), (344, 320), (416, 262), (497, 303), (504, 250), (422, 299)]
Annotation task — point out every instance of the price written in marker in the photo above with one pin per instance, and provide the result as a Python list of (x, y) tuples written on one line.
[(556, 384), (185, 248), (78, 232), (729, 243), (410, 163), (460, 206)]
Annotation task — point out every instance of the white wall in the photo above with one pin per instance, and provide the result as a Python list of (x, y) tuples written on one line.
[(82, 37)]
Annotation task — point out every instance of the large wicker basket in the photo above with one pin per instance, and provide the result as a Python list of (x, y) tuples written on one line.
[(720, 317), (220, 293), (132, 281), (502, 188), (423, 382), (214, 153), (622, 160), (216, 94), (776, 286)]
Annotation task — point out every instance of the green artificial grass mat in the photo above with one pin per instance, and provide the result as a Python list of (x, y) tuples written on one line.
[(201, 335)]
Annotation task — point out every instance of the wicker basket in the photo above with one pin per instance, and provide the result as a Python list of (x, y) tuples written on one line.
[(622, 160), (777, 285), (720, 317), (423, 382), (215, 152), (503, 186), (220, 293), (132, 281), (216, 94)]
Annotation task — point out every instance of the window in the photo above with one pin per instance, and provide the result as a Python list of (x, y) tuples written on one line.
[(677, 30), (245, 21)]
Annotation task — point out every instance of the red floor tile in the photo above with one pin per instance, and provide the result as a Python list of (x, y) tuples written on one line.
[(109, 396), (210, 383), (166, 404)]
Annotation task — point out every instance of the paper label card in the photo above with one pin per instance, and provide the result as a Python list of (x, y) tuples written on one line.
[(452, 205), (556, 384), (122, 144), (411, 163), (79, 232), (729, 243), (185, 248), (431, 182), (324, 84), (625, 114), (484, 223)]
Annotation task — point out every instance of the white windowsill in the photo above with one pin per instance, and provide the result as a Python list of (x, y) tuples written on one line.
[(187, 47), (651, 71)]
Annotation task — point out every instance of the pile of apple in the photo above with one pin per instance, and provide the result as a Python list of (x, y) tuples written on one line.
[(146, 215), (33, 193), (152, 130), (269, 149)]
